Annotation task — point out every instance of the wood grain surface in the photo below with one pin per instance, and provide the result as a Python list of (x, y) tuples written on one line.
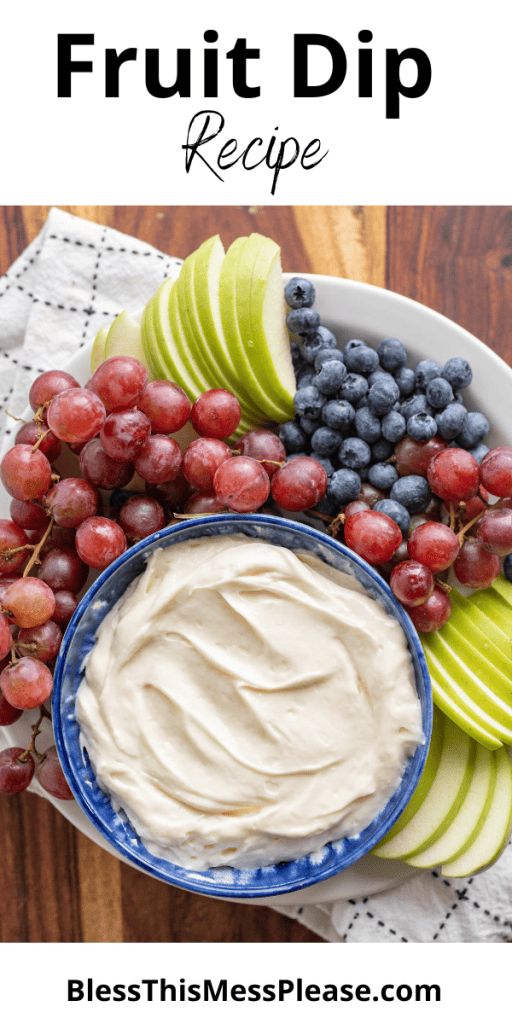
[(55, 884)]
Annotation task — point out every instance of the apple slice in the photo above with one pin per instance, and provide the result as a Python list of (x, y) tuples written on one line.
[(229, 315), (452, 705), (261, 312), (98, 348), (468, 822), (482, 631), (124, 339), (443, 800), (496, 603), (494, 833)]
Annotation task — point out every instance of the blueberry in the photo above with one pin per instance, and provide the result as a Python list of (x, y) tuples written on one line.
[(312, 344), (478, 452), (306, 377), (338, 414), (297, 455), (118, 498), (439, 393), (352, 344), (292, 436), (325, 441), (382, 450), (413, 492), (362, 403), (421, 427), (309, 424), (354, 388), (326, 463), (330, 377), (474, 429), (296, 354), (414, 405), (326, 355), (507, 568), (361, 360), (328, 506), (392, 354), (379, 375), (457, 372), (450, 420), (393, 426), (367, 425), (382, 475), (303, 320), (308, 401), (426, 370), (382, 396), (344, 486), (354, 453), (397, 512), (299, 292), (406, 380)]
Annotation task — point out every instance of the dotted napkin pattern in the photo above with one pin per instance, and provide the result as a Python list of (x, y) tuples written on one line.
[(74, 278)]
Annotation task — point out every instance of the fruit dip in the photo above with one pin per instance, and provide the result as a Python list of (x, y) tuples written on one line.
[(244, 704)]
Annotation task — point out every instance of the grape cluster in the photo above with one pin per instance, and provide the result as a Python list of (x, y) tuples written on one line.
[(119, 426)]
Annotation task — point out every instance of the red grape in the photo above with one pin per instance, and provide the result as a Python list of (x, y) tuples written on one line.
[(141, 516), (166, 406), (76, 415), (62, 569), (49, 384), (26, 683), (356, 506), (202, 459), (26, 474), (454, 475), (241, 484), (12, 537), (8, 714), (101, 469), (159, 460), (433, 613), (372, 535), (370, 494), (202, 503), (265, 446), (5, 636), (434, 545), (50, 776), (496, 471), (40, 642), (124, 433), (495, 531), (28, 514), (300, 484), (66, 604), (71, 501), (30, 601), (173, 492), (412, 583), (215, 413), (119, 382), (15, 775), (30, 433), (414, 457), (474, 506), (475, 567), (99, 542)]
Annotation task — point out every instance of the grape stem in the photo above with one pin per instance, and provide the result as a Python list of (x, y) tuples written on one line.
[(31, 749), (40, 438), (472, 522), (34, 556)]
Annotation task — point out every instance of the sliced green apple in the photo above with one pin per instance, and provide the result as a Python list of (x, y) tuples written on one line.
[(443, 800), (261, 313), (468, 822), (482, 631), (229, 315), (491, 838), (98, 348), (496, 603), (124, 338)]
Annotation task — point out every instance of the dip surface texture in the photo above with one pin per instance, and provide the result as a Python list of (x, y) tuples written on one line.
[(244, 708)]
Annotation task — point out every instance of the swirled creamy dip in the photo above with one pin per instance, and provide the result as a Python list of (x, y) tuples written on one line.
[(244, 704)]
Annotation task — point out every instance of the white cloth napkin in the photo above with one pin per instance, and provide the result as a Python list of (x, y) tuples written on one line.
[(74, 278)]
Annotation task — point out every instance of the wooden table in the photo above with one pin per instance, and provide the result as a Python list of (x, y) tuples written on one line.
[(58, 886)]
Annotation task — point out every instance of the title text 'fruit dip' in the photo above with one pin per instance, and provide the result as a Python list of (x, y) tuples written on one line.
[(244, 708)]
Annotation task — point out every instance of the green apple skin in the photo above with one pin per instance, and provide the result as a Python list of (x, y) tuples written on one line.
[(261, 313), (124, 339), (495, 830), (443, 800), (495, 602), (482, 633), (151, 346), (98, 348), (463, 696), (467, 823), (230, 325), (483, 680)]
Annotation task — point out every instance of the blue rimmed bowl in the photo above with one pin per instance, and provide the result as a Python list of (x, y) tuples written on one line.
[(228, 883)]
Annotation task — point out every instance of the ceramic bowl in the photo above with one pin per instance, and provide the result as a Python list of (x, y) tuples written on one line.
[(224, 882)]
